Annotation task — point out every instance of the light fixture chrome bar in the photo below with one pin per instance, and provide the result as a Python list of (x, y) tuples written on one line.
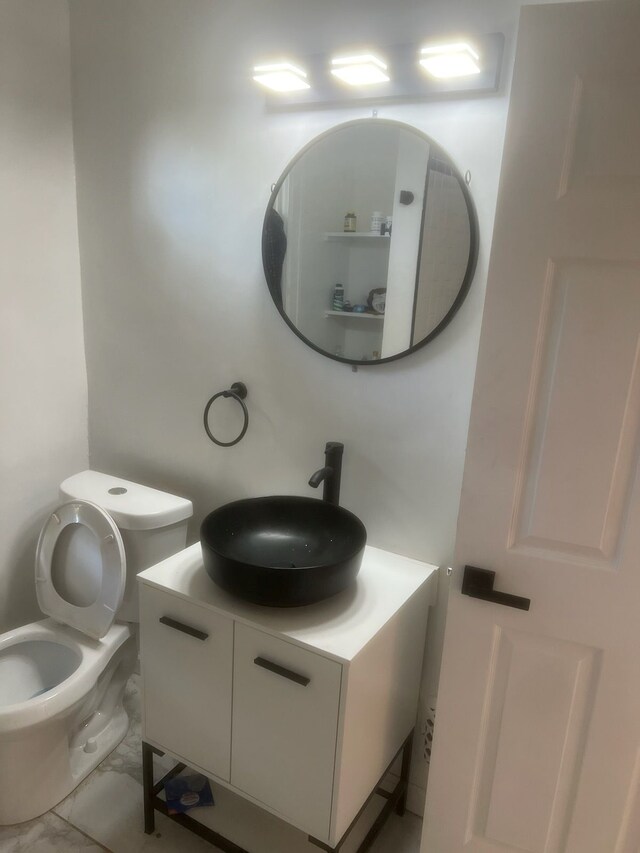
[(405, 79)]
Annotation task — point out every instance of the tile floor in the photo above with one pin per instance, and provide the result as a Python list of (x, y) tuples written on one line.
[(105, 813)]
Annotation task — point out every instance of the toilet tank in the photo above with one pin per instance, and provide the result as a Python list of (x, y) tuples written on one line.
[(153, 524)]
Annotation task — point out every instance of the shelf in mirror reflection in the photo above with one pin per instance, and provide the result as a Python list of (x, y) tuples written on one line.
[(357, 236), (353, 315)]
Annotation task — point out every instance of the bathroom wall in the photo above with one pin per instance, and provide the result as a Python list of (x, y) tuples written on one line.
[(175, 157), (445, 246), (43, 417)]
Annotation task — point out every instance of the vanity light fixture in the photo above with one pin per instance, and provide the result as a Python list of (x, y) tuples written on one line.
[(361, 70), (440, 66), (450, 60), (281, 77)]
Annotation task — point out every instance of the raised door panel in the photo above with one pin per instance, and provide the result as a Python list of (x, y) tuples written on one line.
[(534, 725), (285, 718), (187, 679), (576, 465)]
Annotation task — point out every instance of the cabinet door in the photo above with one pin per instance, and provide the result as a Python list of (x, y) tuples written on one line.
[(285, 718), (187, 661)]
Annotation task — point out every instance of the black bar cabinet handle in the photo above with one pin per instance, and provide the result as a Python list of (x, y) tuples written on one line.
[(186, 629), (280, 670), (478, 583)]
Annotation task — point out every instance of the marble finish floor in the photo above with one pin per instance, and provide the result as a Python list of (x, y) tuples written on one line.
[(105, 813)]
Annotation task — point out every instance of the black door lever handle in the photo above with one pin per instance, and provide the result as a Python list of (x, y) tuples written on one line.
[(478, 583)]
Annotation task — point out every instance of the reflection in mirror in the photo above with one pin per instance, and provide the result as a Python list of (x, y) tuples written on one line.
[(370, 241)]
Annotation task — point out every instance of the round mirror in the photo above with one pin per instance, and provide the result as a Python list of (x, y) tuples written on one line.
[(369, 242)]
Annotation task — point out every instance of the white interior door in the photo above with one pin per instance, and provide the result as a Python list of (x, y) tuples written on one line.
[(537, 742)]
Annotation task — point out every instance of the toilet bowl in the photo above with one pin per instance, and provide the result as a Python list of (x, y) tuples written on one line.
[(62, 679), (52, 681)]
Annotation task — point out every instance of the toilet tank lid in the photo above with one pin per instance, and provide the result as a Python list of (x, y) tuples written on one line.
[(131, 505)]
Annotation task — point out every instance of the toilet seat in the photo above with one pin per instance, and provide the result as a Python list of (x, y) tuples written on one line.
[(106, 569)]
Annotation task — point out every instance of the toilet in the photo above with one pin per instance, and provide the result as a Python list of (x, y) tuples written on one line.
[(62, 679)]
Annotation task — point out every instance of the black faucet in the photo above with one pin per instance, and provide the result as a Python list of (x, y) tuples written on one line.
[(330, 474)]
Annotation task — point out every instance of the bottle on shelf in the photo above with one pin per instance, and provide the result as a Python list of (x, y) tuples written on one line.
[(337, 302), (350, 223), (376, 221)]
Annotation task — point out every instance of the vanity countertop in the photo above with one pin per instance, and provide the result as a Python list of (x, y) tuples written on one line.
[(338, 627)]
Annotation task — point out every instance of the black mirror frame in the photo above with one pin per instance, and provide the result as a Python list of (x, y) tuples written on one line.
[(473, 243)]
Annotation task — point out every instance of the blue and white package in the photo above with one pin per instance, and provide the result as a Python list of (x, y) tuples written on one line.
[(187, 792)]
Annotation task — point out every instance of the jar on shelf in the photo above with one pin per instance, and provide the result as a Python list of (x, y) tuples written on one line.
[(376, 222), (350, 223)]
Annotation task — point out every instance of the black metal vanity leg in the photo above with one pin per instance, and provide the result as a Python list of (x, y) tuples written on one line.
[(147, 787), (404, 775)]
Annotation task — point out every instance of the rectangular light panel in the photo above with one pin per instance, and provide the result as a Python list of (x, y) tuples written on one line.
[(281, 77), (450, 60), (362, 70)]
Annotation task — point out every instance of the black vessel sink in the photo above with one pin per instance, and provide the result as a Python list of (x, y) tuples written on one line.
[(282, 551)]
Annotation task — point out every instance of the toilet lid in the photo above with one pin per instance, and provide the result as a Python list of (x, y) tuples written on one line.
[(81, 568)]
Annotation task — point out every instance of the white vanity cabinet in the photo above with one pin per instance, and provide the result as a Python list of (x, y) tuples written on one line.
[(299, 710), (285, 717), (187, 679)]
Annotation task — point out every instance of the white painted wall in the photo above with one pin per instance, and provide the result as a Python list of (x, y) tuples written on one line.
[(175, 156), (445, 252), (43, 415)]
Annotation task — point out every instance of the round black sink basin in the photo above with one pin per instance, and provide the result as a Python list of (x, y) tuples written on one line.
[(282, 551)]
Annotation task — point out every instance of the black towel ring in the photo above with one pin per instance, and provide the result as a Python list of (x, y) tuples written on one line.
[(238, 391)]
